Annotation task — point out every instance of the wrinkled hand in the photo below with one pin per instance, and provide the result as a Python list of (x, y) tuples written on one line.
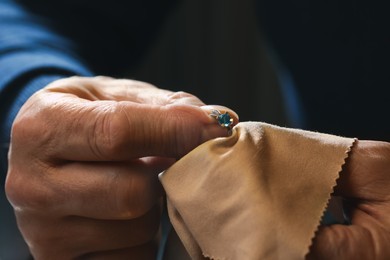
[(84, 159), (365, 184)]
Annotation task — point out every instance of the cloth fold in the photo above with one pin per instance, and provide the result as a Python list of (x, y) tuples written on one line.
[(257, 194)]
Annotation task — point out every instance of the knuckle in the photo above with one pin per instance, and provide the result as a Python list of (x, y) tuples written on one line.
[(109, 134), (13, 188), (27, 188), (26, 125), (20, 131), (32, 124)]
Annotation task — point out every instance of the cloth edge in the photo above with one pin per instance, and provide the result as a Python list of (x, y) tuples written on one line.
[(346, 156)]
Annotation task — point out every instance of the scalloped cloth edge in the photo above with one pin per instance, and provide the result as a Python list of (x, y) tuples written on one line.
[(257, 194)]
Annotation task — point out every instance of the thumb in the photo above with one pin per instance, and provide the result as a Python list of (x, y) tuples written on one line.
[(112, 130)]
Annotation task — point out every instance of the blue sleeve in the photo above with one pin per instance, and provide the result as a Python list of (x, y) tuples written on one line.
[(31, 56), (42, 41)]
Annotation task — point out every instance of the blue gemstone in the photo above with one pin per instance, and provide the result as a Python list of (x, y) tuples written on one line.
[(225, 120)]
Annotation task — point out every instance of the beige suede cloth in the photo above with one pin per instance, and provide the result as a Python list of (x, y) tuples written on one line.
[(257, 194)]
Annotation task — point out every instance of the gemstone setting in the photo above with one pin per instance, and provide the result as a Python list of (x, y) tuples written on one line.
[(224, 120)]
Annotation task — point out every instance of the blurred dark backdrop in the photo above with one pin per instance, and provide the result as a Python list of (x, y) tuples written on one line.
[(319, 65), (338, 53), (250, 54)]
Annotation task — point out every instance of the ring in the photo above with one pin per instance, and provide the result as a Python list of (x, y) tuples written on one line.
[(223, 120)]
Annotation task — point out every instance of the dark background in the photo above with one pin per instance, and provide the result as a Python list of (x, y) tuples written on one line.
[(318, 65), (338, 53)]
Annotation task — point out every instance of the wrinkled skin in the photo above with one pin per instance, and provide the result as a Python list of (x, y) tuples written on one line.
[(365, 185), (84, 159), (83, 164)]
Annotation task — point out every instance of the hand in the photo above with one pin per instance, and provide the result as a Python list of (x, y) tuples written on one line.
[(365, 185), (84, 159)]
